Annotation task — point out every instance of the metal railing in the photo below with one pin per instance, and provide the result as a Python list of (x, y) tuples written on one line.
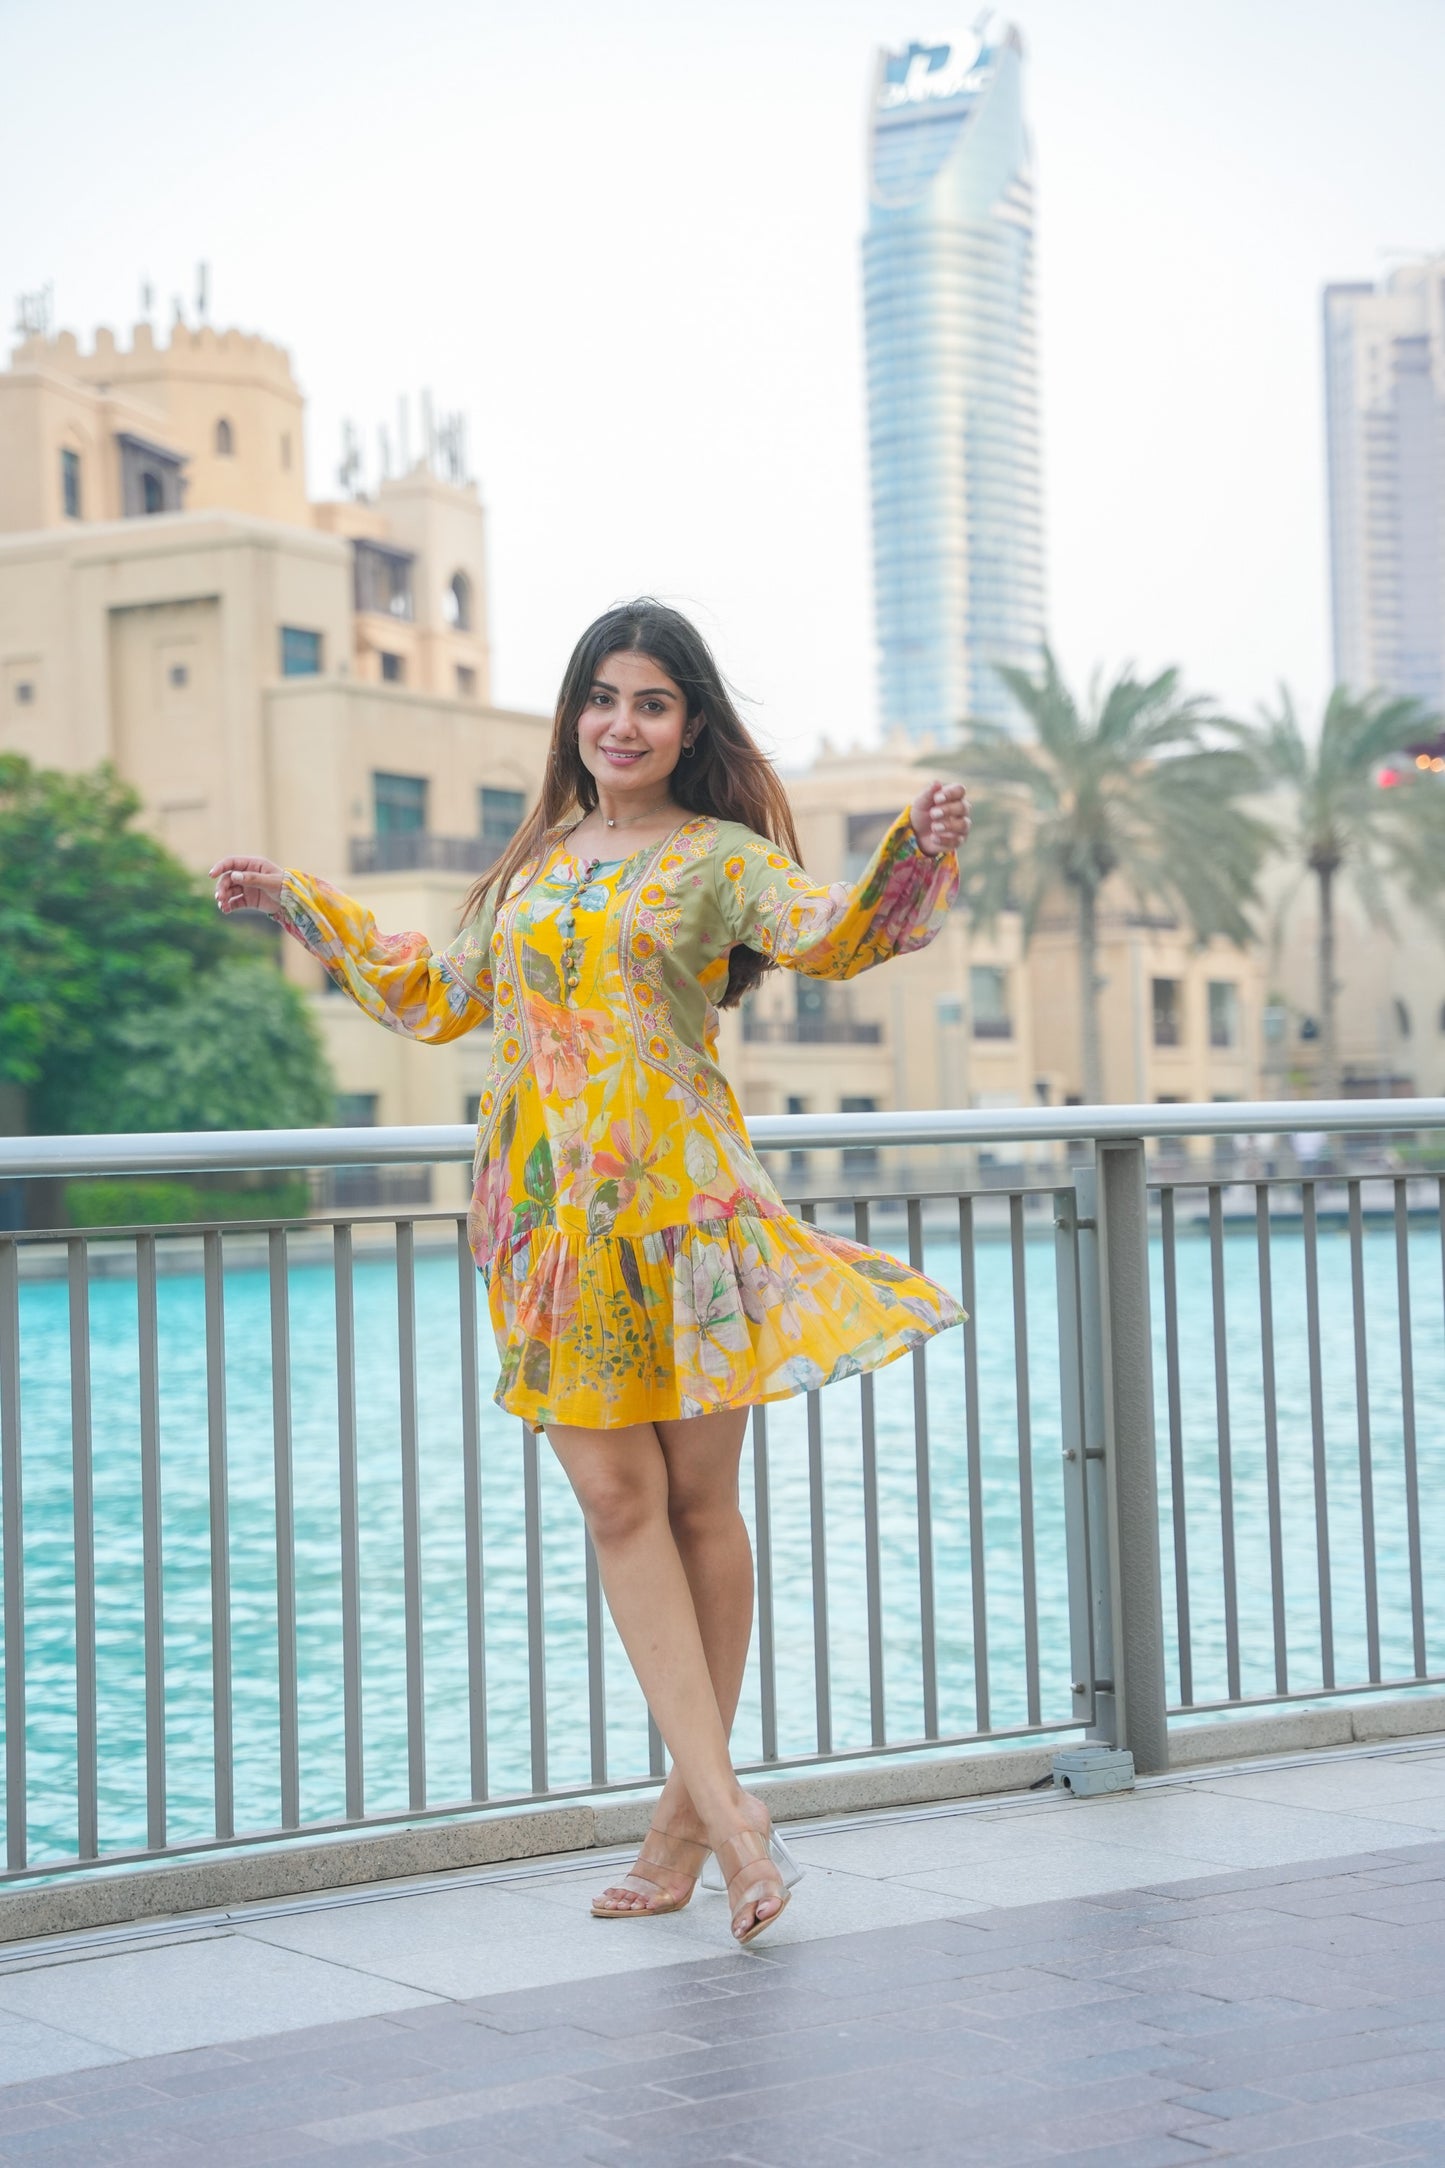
[(407, 850), (272, 1562)]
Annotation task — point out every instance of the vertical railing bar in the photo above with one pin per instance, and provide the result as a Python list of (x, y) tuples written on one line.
[(410, 1512), (1224, 1441), (1177, 1489), (977, 1553), (1407, 1426), (1271, 1439), (1368, 1562), (763, 1545), (152, 1581), (818, 1549), (287, 1704), (82, 1507), (872, 1548), (656, 1750), (924, 1480), (16, 1795), (472, 1509), (344, 1284), (1023, 1412), (223, 1778), (1317, 1433), (596, 1665), (536, 1616)]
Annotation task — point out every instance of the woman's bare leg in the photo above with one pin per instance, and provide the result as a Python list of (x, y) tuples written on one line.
[(622, 1482)]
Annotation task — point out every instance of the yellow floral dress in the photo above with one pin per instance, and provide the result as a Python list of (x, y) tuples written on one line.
[(640, 1265)]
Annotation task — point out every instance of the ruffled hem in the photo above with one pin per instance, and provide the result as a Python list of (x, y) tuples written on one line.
[(695, 1319)]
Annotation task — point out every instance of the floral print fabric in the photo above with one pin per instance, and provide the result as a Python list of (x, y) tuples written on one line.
[(640, 1264)]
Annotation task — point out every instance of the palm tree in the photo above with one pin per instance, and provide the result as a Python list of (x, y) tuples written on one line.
[(1342, 822), (1129, 790)]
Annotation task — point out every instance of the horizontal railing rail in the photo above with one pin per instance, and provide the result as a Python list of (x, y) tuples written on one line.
[(273, 1562), (236, 1151)]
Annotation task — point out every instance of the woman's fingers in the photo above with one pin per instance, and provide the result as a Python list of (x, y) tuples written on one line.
[(941, 817), (247, 884)]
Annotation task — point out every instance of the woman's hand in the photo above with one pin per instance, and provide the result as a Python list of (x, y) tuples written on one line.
[(247, 884), (940, 817)]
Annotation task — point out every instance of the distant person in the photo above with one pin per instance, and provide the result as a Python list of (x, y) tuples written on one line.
[(646, 1285)]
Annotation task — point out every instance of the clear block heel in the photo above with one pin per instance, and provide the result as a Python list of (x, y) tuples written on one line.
[(791, 1869)]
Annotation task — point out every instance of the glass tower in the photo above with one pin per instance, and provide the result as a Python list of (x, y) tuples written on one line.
[(953, 417), (1385, 428)]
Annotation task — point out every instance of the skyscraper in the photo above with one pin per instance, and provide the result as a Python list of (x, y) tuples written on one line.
[(1385, 429), (953, 415)]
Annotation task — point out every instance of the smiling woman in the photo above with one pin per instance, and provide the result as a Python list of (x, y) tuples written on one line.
[(646, 1284)]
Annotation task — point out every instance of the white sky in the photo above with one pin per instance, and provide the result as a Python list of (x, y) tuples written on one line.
[(624, 238)]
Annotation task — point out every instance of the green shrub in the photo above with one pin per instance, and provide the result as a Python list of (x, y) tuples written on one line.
[(159, 1201)]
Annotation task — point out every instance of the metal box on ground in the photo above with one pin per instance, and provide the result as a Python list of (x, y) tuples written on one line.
[(1085, 1770)]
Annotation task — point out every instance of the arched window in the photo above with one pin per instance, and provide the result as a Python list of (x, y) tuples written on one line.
[(457, 603), (225, 441), (153, 497)]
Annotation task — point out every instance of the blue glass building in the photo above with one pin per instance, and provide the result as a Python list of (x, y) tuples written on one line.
[(953, 415)]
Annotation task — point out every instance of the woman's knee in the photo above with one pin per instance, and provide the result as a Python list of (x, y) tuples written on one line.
[(618, 1504), (704, 1518)]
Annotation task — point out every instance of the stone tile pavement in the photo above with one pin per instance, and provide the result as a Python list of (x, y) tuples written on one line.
[(1235, 1965)]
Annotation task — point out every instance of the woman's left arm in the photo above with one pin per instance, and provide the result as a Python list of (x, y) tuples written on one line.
[(900, 903)]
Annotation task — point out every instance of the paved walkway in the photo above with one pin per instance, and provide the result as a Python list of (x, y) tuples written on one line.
[(1228, 1965)]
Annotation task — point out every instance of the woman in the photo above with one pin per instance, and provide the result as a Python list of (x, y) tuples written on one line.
[(646, 1286)]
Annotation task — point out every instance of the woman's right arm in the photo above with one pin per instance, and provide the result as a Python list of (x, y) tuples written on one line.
[(396, 978)]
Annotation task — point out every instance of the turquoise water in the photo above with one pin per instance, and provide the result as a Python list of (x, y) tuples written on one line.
[(48, 1541)]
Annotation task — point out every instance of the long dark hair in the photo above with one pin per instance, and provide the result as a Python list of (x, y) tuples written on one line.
[(728, 774)]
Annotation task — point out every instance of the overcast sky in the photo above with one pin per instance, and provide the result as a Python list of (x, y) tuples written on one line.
[(623, 238)]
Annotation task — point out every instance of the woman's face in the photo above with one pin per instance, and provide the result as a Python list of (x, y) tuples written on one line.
[(630, 732)]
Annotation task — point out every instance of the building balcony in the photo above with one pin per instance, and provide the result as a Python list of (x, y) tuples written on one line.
[(809, 1031), (993, 1027), (418, 851)]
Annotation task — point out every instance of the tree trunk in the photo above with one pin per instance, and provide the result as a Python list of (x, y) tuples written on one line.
[(1328, 1086), (1089, 997)]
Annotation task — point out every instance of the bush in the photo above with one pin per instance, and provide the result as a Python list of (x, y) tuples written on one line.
[(158, 1201)]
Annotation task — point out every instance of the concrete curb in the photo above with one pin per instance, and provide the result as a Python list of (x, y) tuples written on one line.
[(101, 1897)]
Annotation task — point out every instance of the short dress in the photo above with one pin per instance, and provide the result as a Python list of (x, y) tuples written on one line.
[(640, 1265)]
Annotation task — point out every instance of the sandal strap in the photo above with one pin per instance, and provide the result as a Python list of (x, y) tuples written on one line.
[(749, 1850)]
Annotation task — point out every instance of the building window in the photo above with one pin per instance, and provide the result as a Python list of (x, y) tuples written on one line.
[(1168, 1012), (300, 652), (501, 813), (356, 1110), (1402, 1018), (178, 675), (1223, 1013), (225, 440), (70, 483), (472, 1109), (988, 998), (24, 693), (466, 681), (864, 832), (152, 478), (457, 603), (859, 1158), (286, 453), (400, 802), (797, 1159), (153, 495), (393, 670), (949, 1009), (383, 581)]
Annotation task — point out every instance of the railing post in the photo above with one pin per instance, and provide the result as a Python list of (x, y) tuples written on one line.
[(1081, 1411), (1126, 1379)]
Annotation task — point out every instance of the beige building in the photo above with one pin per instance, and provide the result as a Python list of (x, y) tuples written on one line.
[(310, 682), (977, 1020)]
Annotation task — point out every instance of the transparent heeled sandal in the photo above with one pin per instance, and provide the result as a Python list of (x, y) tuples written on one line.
[(792, 1870)]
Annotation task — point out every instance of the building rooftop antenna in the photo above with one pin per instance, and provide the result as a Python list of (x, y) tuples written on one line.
[(203, 292), (33, 312)]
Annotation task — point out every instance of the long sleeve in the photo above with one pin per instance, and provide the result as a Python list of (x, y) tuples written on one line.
[(769, 904), (396, 978)]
